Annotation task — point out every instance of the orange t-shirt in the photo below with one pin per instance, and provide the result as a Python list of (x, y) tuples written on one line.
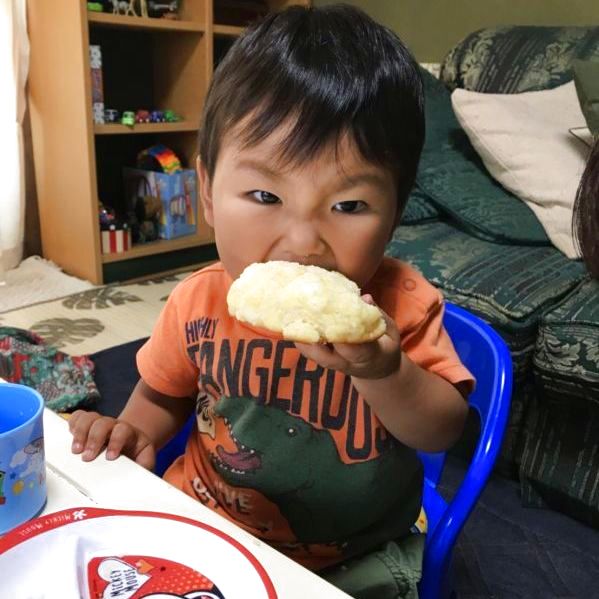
[(283, 447)]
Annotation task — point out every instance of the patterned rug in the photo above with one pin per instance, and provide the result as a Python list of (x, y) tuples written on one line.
[(95, 319)]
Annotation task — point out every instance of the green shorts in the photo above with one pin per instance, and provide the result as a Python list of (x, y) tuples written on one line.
[(391, 572)]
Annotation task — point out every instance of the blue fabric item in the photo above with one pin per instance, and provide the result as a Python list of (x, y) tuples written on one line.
[(486, 355)]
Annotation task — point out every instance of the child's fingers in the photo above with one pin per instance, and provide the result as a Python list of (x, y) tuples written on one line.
[(147, 457), (127, 440), (79, 424), (392, 330), (122, 440), (324, 355), (98, 434)]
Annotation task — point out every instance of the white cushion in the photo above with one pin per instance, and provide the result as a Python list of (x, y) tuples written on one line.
[(525, 143)]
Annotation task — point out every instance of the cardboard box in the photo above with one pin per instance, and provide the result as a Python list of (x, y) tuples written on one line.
[(176, 194)]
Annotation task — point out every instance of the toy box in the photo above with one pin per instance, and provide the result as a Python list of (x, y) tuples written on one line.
[(176, 194)]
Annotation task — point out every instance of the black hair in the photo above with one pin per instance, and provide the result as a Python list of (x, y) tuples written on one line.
[(328, 71), (586, 213)]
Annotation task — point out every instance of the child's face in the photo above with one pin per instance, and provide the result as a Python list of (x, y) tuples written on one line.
[(334, 213)]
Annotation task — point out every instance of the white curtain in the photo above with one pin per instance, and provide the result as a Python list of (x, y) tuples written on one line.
[(14, 65)]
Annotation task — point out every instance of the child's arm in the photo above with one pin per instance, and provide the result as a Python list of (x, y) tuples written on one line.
[(147, 422), (419, 408)]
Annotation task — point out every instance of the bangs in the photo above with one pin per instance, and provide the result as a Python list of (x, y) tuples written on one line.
[(323, 74)]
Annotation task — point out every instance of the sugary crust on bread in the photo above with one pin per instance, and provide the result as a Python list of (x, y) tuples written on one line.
[(304, 303)]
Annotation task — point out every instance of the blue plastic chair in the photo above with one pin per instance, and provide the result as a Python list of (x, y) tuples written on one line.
[(487, 357)]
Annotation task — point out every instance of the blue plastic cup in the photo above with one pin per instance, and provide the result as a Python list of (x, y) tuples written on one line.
[(22, 463)]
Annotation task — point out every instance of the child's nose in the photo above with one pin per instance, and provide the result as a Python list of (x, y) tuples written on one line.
[(303, 239)]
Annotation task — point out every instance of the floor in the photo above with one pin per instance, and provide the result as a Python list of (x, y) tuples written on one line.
[(36, 280), (95, 318)]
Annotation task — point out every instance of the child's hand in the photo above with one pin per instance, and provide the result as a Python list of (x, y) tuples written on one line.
[(373, 360), (92, 431)]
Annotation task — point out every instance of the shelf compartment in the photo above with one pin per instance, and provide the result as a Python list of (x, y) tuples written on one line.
[(228, 30), (117, 129), (159, 246), (102, 19), (146, 70)]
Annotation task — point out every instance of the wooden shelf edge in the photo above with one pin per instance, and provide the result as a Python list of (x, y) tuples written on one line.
[(117, 129), (228, 30), (158, 247), (127, 22)]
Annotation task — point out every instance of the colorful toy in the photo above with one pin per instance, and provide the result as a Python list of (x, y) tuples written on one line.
[(95, 7), (157, 116), (128, 118), (159, 158), (111, 115), (170, 116), (142, 116), (107, 216)]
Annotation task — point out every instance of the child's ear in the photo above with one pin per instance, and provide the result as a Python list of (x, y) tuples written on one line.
[(205, 192)]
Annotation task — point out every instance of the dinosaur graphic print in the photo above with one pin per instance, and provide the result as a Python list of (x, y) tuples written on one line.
[(298, 467)]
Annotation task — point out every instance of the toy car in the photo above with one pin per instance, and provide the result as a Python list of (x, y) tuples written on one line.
[(128, 118), (171, 116), (156, 116), (163, 9), (142, 116)]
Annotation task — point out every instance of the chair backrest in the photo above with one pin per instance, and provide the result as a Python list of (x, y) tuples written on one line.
[(487, 357)]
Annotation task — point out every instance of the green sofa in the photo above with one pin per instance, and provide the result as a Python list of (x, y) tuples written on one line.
[(486, 251)]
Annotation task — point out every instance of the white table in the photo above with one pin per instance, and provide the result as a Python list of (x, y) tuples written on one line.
[(122, 484)]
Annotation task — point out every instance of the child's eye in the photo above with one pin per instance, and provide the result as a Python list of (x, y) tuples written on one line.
[(264, 197), (350, 207)]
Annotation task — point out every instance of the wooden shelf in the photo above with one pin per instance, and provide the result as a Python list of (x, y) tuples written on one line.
[(117, 129), (156, 247), (109, 20), (147, 63), (228, 30)]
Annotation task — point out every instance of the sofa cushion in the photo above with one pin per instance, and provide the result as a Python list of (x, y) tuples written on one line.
[(586, 79), (518, 58), (508, 286), (524, 141), (567, 351), (560, 456), (456, 182), (419, 208)]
